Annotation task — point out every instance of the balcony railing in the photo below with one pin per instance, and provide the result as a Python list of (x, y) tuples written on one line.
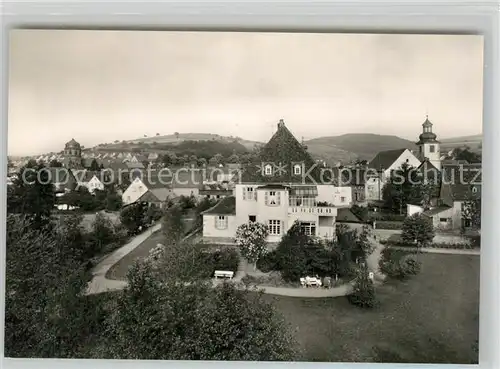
[(315, 210)]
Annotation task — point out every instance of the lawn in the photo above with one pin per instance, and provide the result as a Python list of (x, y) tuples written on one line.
[(431, 318), (120, 269)]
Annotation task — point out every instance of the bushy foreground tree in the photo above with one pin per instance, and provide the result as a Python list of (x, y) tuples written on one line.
[(45, 312), (418, 229), (171, 320), (363, 294)]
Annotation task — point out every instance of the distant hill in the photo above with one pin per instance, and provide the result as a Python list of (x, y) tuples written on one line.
[(352, 146), (344, 148), (172, 139), (474, 142)]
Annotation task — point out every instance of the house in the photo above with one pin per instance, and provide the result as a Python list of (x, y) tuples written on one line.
[(283, 186), (158, 185), (157, 196), (187, 182), (219, 222), (459, 183), (153, 156), (91, 180), (216, 191)]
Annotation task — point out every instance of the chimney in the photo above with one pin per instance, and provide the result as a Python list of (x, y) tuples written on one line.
[(281, 123)]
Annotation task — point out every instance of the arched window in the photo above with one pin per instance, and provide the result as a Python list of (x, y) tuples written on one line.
[(268, 170), (297, 169)]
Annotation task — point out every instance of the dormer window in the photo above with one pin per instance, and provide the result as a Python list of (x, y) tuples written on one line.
[(268, 169), (474, 189), (297, 169)]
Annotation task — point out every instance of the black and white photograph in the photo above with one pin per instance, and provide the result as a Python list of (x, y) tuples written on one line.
[(243, 196)]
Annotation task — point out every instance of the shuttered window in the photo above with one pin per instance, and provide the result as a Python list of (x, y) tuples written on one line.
[(221, 222)]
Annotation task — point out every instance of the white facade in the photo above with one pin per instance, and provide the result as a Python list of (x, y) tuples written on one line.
[(95, 184), (136, 189), (406, 157), (431, 151), (223, 226), (337, 196), (272, 207), (373, 189)]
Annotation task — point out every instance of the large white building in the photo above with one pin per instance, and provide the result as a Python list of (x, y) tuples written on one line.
[(284, 186)]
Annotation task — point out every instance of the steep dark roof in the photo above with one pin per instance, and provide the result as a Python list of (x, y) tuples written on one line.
[(384, 159), (282, 152), (227, 206), (347, 216), (461, 182), (434, 211)]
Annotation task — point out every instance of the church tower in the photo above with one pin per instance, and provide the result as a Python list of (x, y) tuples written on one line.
[(428, 145)]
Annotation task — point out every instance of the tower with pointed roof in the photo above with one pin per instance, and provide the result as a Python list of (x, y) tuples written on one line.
[(428, 145)]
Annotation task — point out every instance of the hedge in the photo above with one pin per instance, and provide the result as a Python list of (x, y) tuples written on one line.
[(388, 225), (434, 245), (378, 216)]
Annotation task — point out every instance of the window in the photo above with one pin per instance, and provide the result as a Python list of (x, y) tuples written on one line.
[(443, 220), (275, 227), (249, 193), (474, 189), (252, 218), (273, 198), (308, 228), (268, 170), (342, 199), (221, 222), (297, 169), (431, 148)]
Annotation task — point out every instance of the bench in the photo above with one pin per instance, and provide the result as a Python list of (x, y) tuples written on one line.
[(310, 281), (223, 274)]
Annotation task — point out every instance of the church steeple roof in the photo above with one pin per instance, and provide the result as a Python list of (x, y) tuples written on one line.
[(427, 136)]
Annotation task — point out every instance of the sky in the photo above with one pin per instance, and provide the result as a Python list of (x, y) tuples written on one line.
[(100, 86)]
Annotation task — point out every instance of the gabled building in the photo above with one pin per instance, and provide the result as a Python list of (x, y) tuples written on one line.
[(458, 184), (283, 186)]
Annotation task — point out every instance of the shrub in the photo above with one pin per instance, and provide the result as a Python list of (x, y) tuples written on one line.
[(227, 259), (389, 225), (251, 240), (418, 229), (363, 294), (268, 262), (398, 264)]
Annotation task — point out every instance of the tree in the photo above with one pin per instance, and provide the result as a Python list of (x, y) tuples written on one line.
[(94, 166), (251, 240), (173, 225), (400, 189), (202, 162), (55, 164), (151, 321), (233, 159), (176, 135), (32, 193), (467, 155), (363, 294), (102, 235), (113, 200), (418, 229), (45, 312), (133, 217)]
